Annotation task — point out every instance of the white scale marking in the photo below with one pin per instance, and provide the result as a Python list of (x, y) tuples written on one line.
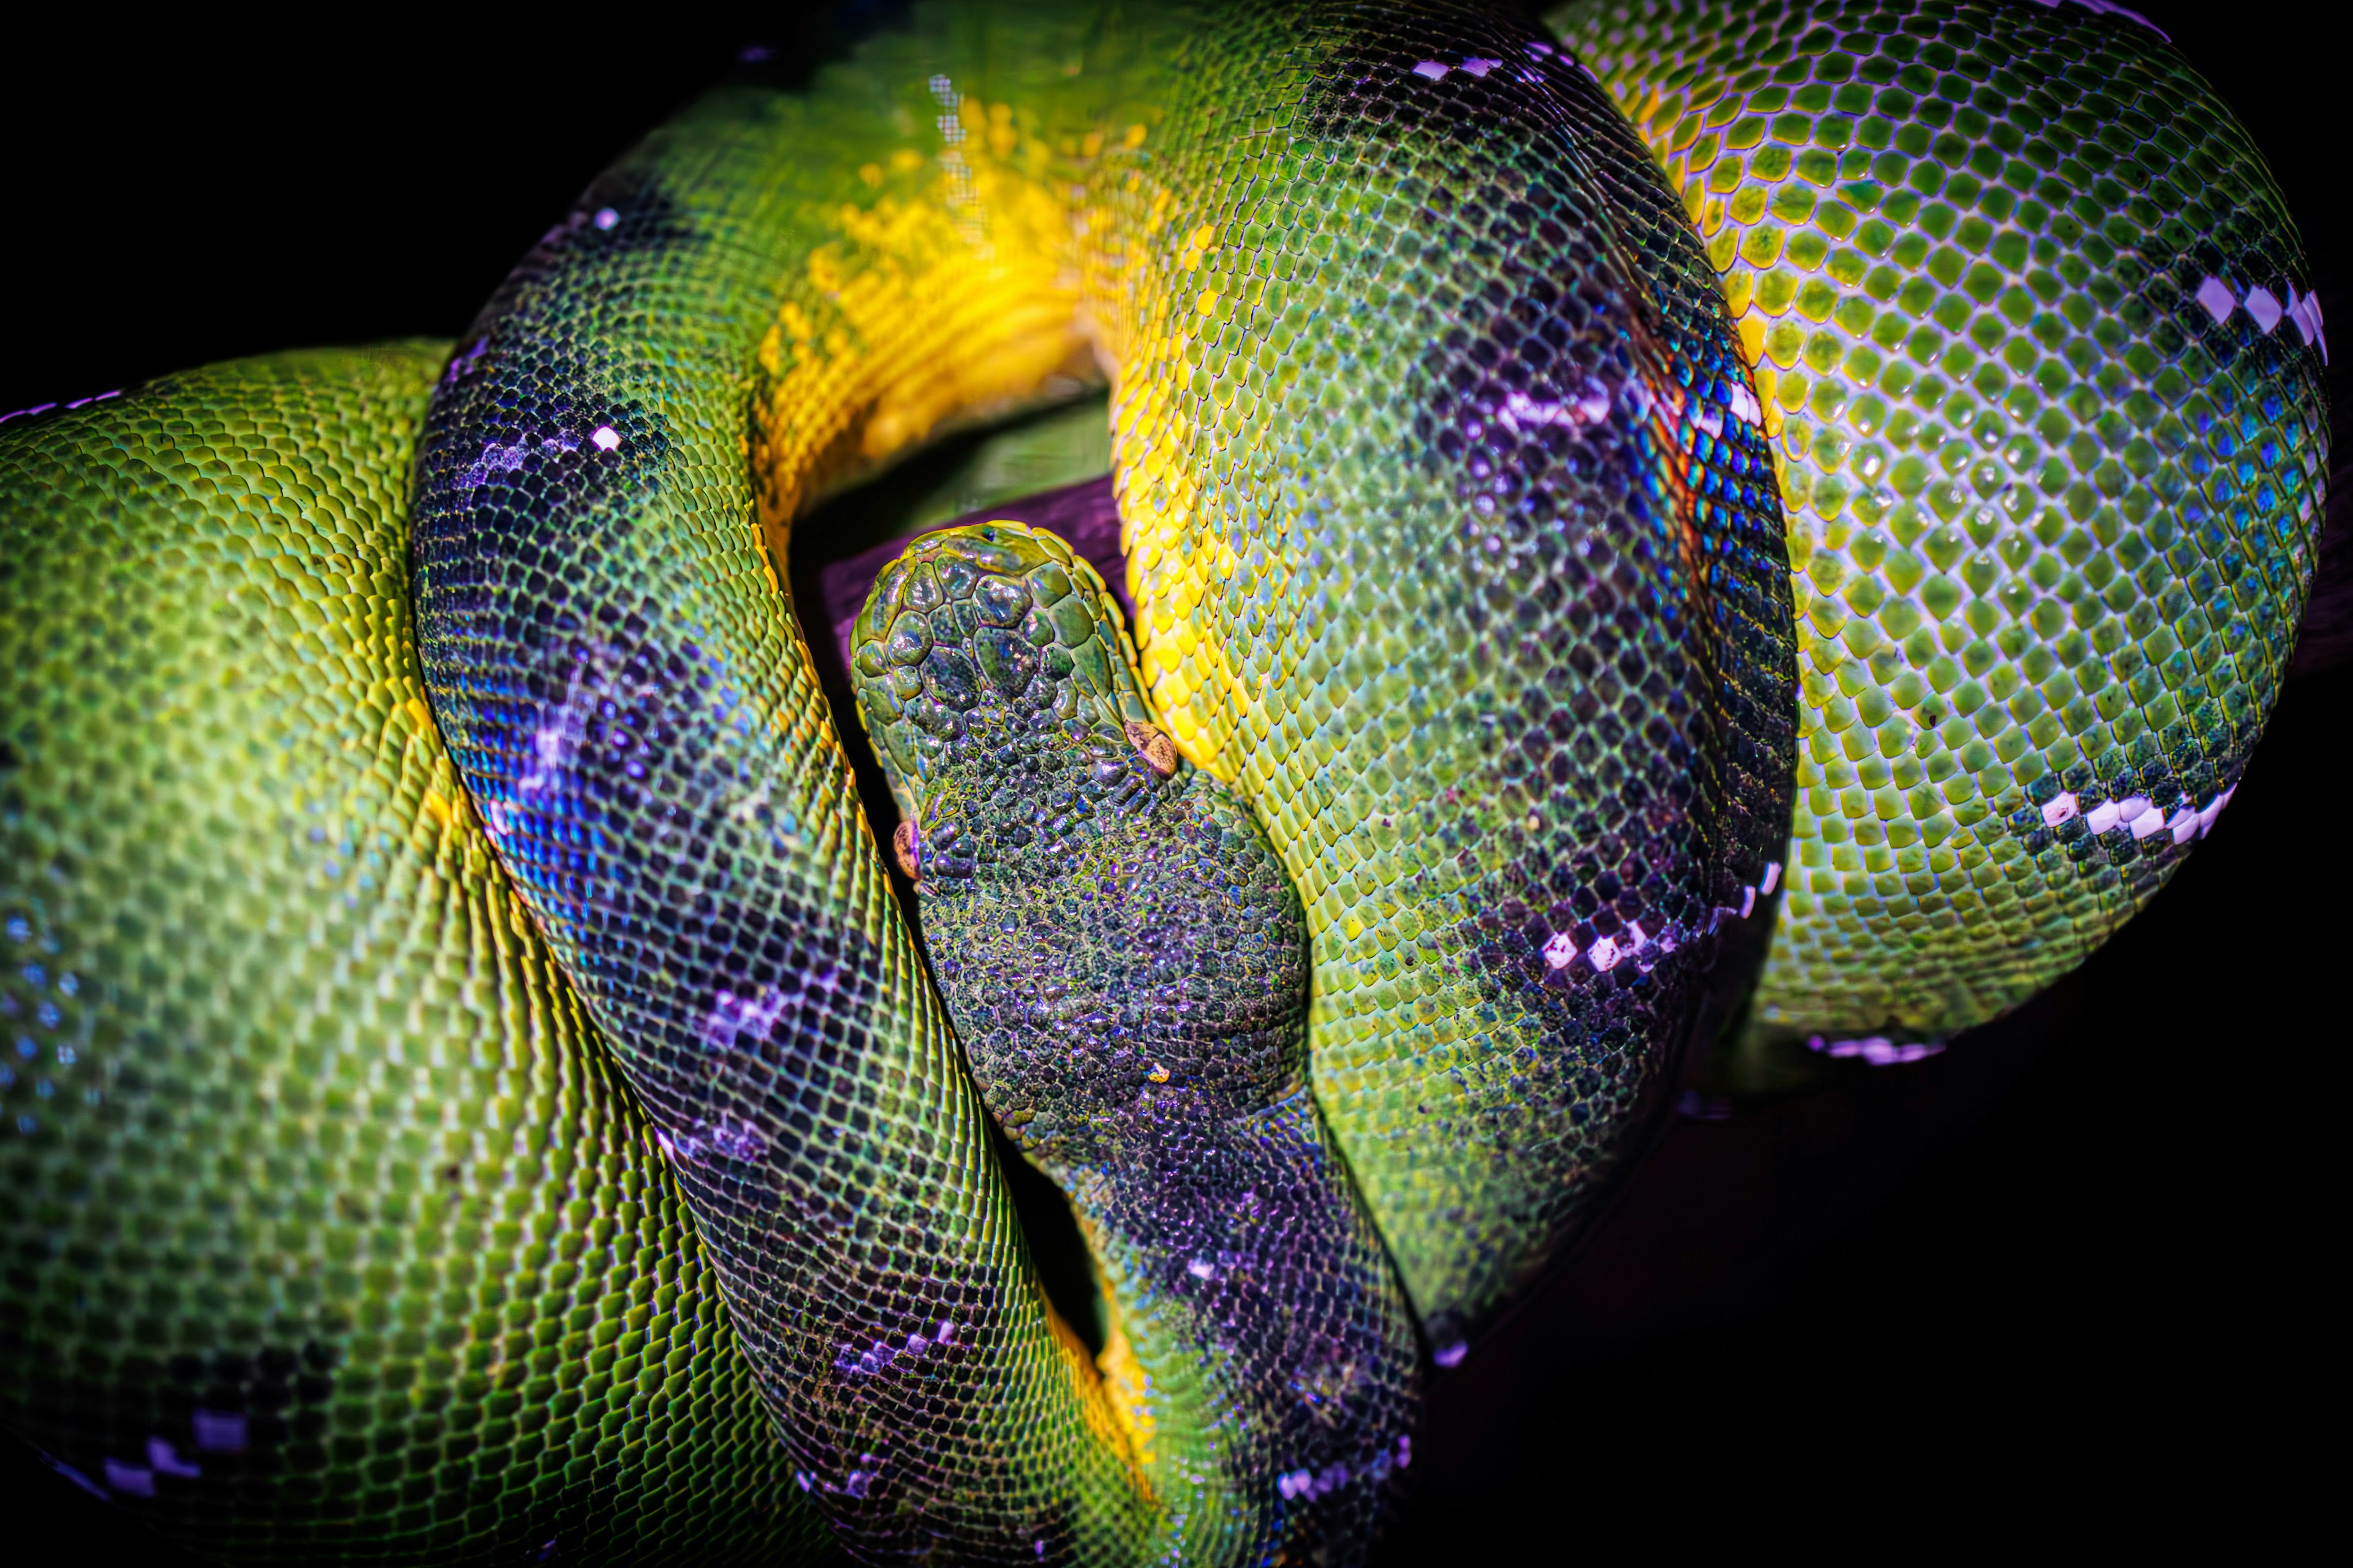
[(165, 1459), (132, 1480), (2216, 295), (1877, 1049), (1436, 70), (2302, 310), (219, 1431), (2140, 815), (2109, 814), (1591, 405)]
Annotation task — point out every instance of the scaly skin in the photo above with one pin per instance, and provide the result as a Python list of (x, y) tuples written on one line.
[(2052, 521), (1459, 570), (1451, 537), (1126, 964), (1553, 823), (329, 1232)]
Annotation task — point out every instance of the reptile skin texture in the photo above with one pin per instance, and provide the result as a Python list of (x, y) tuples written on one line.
[(1591, 504), (329, 1233), (2033, 329), (1478, 602), (1549, 792), (1126, 964)]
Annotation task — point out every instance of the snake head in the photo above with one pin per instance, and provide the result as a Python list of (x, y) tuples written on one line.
[(990, 636), (1043, 808)]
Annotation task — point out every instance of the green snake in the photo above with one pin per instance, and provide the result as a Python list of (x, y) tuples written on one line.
[(1595, 498)]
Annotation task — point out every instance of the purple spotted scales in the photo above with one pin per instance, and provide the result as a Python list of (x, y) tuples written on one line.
[(2035, 338), (1485, 616), (1125, 965), (472, 1088), (328, 1230)]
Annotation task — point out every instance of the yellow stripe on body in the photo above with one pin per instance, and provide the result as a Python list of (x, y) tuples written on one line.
[(954, 293)]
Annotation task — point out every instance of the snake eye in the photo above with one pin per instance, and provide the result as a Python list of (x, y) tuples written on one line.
[(907, 847), (1158, 751)]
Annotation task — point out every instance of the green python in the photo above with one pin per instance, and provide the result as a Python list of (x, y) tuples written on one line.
[(471, 1088)]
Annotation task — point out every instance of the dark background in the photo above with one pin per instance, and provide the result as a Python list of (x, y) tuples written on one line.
[(2064, 1284)]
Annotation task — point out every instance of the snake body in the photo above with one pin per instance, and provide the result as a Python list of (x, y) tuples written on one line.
[(627, 698), (2033, 332), (333, 1201), (1125, 964), (1336, 952)]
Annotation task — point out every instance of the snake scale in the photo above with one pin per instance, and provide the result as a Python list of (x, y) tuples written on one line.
[(1687, 531)]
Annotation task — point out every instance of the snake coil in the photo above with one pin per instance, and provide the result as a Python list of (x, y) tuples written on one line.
[(1593, 498)]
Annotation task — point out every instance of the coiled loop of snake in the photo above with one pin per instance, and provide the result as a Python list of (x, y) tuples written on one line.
[(1465, 644), (1495, 483)]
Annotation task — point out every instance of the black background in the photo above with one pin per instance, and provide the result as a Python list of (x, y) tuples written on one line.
[(2063, 1285)]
